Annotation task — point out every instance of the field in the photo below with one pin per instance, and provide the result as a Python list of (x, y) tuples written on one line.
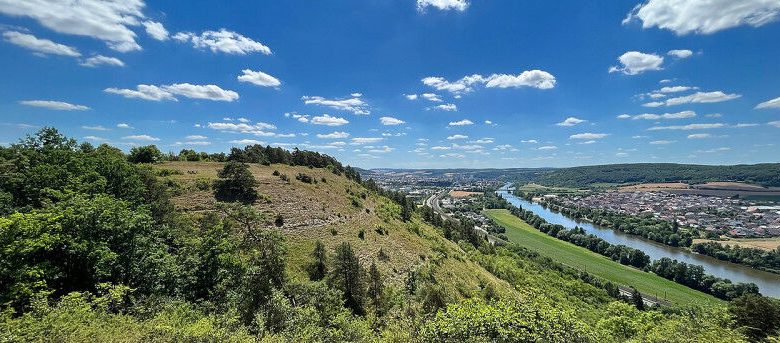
[(722, 189), (577, 257), (654, 186), (760, 243), (463, 194)]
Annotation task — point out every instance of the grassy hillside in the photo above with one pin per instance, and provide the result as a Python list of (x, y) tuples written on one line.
[(767, 174), (574, 256)]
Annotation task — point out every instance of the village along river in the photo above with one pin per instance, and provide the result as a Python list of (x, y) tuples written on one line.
[(768, 283)]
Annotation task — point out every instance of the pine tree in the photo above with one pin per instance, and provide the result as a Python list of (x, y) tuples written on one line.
[(636, 298), (347, 276), (319, 266), (376, 289)]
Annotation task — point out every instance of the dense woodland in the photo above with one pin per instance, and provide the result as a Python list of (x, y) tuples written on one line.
[(768, 260), (92, 250), (767, 174)]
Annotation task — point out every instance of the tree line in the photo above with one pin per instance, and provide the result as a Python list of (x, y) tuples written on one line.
[(767, 260)]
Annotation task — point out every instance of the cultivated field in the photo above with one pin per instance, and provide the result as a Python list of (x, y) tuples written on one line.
[(760, 243), (574, 256), (653, 186), (463, 194)]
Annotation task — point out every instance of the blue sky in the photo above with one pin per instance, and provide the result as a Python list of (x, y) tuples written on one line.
[(403, 83)]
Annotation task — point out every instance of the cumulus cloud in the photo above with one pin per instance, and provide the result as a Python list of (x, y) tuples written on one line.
[(662, 142), (588, 135), (167, 92), (529, 141), (653, 116), (571, 121), (530, 78), (54, 105), (701, 97), (99, 60), (224, 41), (247, 142), (333, 135), (675, 89), (681, 53), (547, 147), (328, 120), (774, 123), (38, 45), (258, 129), (353, 104), (699, 136), (444, 5), (431, 97), (156, 30), (124, 126), (446, 107), (774, 103), (463, 122), (703, 17), (411, 96), (94, 128), (366, 140), (635, 62), (144, 138), (391, 121), (454, 137), (109, 21), (689, 127), (259, 78)]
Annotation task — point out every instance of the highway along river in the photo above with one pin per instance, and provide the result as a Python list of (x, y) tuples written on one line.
[(768, 283)]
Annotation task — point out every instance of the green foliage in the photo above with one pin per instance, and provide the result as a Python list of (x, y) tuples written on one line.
[(376, 290), (145, 154), (347, 276), (477, 321), (236, 183), (318, 268), (757, 316)]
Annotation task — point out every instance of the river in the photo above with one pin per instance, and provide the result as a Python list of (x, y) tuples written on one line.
[(768, 283)]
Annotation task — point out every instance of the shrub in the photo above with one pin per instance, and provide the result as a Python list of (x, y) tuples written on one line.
[(236, 183), (145, 154), (275, 173), (304, 178), (203, 184)]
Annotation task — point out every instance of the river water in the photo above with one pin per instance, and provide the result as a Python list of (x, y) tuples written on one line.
[(768, 283)]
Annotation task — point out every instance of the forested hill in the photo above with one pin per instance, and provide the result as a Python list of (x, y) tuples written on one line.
[(767, 174)]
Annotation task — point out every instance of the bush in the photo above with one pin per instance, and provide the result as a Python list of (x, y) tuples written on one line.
[(236, 183), (203, 184), (304, 178), (145, 154)]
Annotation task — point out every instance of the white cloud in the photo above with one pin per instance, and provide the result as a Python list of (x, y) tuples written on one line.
[(587, 142), (744, 125), (191, 143), (333, 135), (124, 126), (529, 141), (109, 21), (662, 142), (391, 121), (145, 138), (688, 127), (95, 138), (145, 92), (207, 92), (702, 97), (774, 103), (589, 135), (774, 123), (257, 129), (354, 104), (328, 120), (156, 30), (258, 78), (366, 140), (94, 128), (54, 105), (247, 142), (458, 5), (635, 62), (653, 104), (486, 140), (461, 122), (98, 60), (243, 120), (452, 155), (447, 107), (547, 147), (680, 53), (710, 151), (530, 78), (411, 96), (439, 147), (675, 89), (380, 149), (571, 121), (703, 17), (624, 116), (652, 116), (225, 41), (41, 46), (699, 136), (431, 97), (195, 137), (454, 137)]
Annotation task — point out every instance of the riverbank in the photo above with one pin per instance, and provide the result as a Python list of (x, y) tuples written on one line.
[(525, 235)]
